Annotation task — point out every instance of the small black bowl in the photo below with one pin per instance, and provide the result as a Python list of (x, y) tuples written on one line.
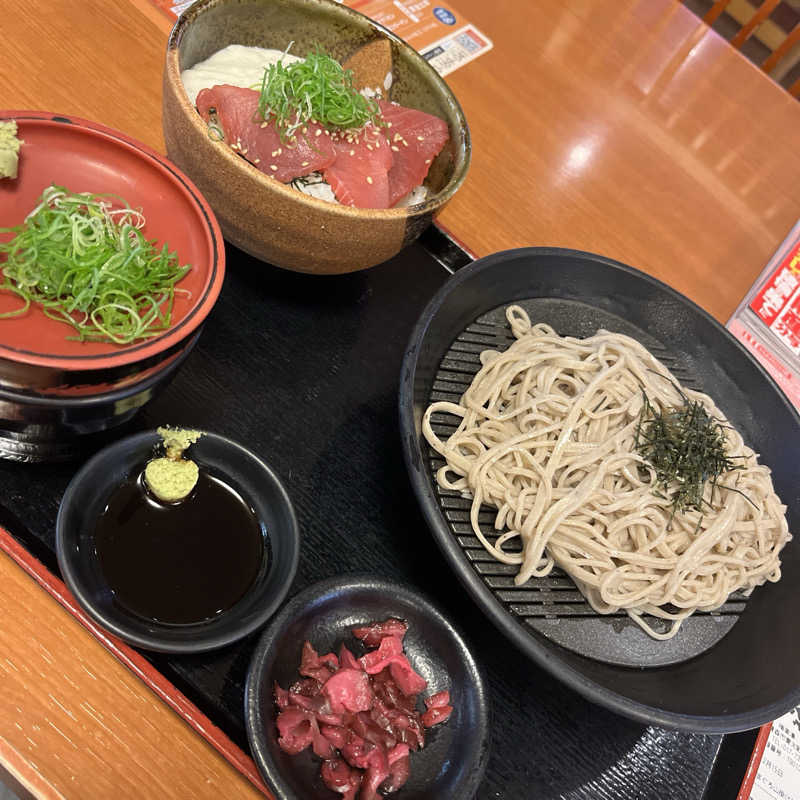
[(86, 497), (454, 758)]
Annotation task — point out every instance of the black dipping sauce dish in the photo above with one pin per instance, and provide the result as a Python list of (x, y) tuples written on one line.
[(198, 574), (452, 763)]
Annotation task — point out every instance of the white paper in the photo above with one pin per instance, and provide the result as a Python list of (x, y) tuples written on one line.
[(778, 776)]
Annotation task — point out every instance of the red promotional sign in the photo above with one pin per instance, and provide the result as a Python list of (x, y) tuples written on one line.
[(767, 321), (780, 290)]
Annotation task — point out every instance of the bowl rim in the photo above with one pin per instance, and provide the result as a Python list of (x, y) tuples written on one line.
[(254, 685), (206, 639), (543, 656), (173, 76), (115, 394), (128, 354)]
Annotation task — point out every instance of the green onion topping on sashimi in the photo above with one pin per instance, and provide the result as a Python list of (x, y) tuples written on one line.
[(318, 89)]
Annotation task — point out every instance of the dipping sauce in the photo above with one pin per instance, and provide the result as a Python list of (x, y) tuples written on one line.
[(183, 562)]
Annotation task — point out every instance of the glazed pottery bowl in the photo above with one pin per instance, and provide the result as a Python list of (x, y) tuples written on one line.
[(56, 391), (262, 216), (453, 760), (244, 472)]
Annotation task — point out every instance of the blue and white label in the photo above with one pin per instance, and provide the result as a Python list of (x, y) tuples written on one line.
[(443, 15)]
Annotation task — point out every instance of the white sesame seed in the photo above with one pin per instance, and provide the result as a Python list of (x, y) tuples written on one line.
[(304, 164), (256, 160), (319, 132), (396, 149), (369, 180), (369, 147), (305, 130), (377, 143), (352, 152), (427, 161), (273, 167), (388, 124), (274, 153), (420, 138), (405, 143)]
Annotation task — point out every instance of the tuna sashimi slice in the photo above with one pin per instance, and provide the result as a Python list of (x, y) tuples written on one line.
[(416, 138), (236, 112), (359, 175)]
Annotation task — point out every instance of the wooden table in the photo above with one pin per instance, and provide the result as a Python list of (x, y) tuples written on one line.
[(624, 127)]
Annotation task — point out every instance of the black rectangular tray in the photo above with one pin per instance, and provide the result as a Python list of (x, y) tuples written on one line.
[(304, 370)]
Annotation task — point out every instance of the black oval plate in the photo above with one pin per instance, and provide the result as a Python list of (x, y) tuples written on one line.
[(577, 293)]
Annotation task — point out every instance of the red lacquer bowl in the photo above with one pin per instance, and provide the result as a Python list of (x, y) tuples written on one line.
[(38, 360)]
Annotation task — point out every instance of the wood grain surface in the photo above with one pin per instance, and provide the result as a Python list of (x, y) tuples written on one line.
[(95, 59), (623, 127), (76, 722), (626, 128)]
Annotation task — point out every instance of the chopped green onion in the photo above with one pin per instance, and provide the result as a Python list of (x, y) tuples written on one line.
[(215, 131), (84, 259), (318, 89)]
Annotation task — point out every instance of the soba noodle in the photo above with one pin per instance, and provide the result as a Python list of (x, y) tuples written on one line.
[(548, 438)]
